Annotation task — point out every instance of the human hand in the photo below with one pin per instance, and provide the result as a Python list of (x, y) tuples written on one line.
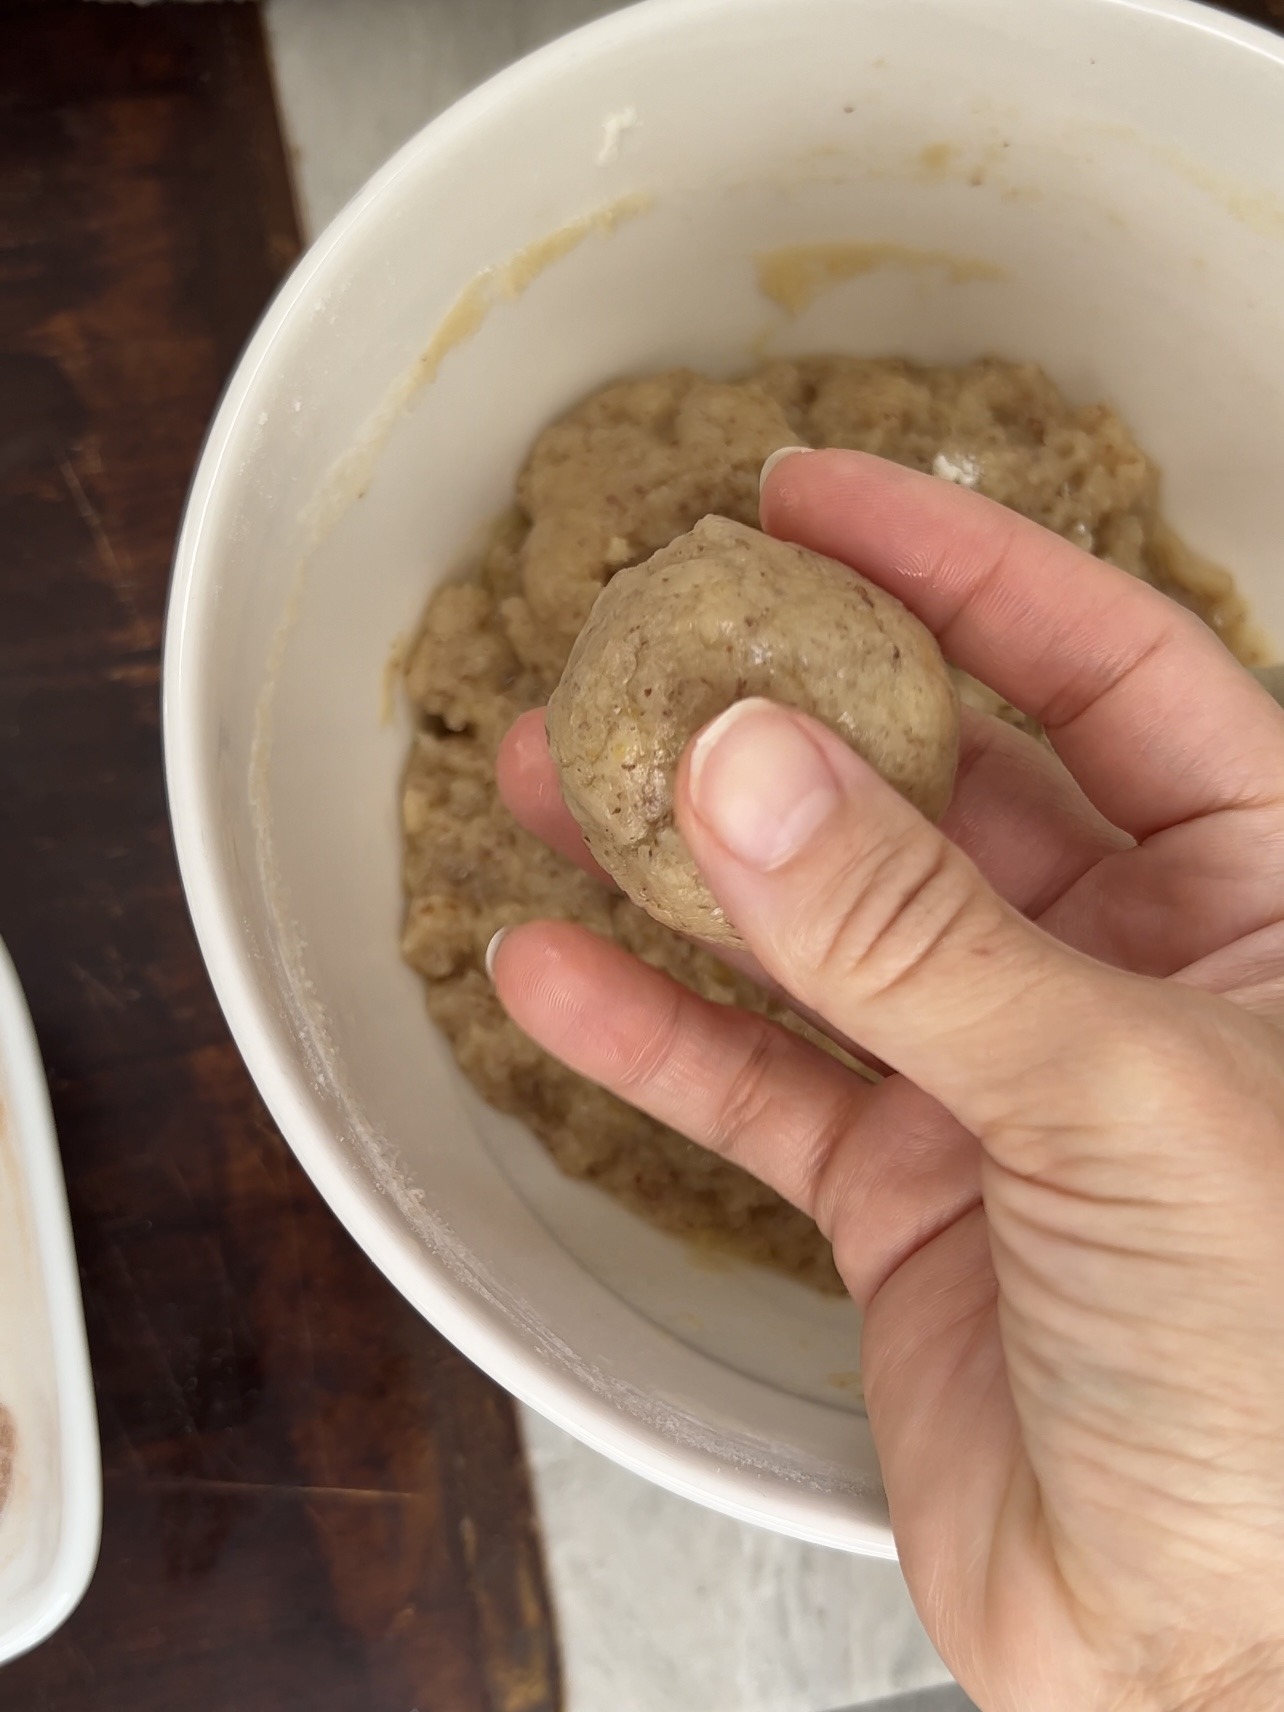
[(1063, 1214)]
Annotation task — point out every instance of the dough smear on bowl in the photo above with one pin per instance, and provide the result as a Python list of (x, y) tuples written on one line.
[(722, 613), (617, 478)]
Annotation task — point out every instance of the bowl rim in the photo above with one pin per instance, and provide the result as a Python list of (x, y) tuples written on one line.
[(566, 1399)]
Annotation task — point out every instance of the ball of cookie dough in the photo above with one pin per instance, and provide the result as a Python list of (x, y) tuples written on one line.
[(720, 614)]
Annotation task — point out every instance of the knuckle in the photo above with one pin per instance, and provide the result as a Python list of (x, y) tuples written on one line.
[(1081, 687), (750, 1094), (891, 911), (772, 1107), (991, 553), (643, 1059), (842, 1177)]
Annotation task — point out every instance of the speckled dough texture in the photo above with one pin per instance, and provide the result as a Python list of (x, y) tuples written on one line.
[(722, 613), (617, 478)]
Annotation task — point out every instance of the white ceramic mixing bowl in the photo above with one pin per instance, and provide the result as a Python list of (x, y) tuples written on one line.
[(1117, 167)]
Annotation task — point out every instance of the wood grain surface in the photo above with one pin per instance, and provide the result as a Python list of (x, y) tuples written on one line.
[(311, 1501)]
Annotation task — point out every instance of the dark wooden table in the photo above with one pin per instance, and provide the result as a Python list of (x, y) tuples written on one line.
[(311, 1501)]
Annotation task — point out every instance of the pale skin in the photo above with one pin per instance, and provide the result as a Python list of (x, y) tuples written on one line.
[(1063, 1211)]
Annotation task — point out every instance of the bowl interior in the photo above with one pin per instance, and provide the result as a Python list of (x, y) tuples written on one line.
[(1114, 167)]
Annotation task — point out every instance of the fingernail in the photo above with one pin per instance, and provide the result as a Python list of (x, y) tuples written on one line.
[(760, 784), (492, 950), (778, 457)]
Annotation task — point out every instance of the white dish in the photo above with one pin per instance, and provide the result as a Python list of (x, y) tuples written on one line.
[(1117, 163), (50, 1481)]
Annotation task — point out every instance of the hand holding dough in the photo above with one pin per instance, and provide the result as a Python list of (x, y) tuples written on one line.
[(720, 614)]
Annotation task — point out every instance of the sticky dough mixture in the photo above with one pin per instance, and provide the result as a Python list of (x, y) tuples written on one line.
[(618, 477)]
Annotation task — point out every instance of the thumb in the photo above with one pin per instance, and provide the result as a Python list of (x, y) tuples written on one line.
[(868, 915)]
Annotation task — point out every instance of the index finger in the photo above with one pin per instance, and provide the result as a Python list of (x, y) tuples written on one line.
[(1137, 695)]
